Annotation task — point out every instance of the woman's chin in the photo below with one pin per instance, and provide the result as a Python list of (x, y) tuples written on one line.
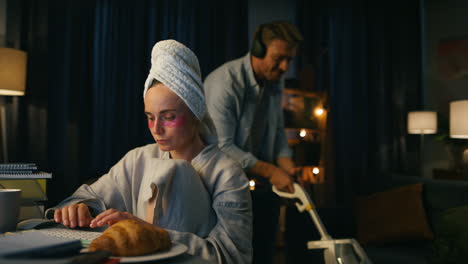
[(164, 147)]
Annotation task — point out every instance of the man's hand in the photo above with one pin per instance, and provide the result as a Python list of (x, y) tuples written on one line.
[(278, 177), (73, 215), (281, 180)]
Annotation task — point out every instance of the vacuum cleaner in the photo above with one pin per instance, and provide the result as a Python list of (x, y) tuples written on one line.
[(336, 251)]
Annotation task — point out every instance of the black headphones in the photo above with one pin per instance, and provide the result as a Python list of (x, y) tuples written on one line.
[(258, 49)]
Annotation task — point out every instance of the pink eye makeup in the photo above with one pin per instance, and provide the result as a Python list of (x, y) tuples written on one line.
[(177, 121), (150, 123), (168, 121)]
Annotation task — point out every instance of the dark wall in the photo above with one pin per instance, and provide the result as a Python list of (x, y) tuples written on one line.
[(444, 20)]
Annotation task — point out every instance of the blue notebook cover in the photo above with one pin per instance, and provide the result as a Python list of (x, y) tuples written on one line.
[(36, 244)]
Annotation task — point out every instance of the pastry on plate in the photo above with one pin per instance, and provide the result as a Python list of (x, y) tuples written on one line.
[(132, 238)]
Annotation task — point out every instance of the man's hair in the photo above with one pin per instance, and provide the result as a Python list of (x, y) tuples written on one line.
[(279, 30)]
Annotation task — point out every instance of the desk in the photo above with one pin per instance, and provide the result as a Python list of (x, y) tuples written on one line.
[(183, 259), (38, 239)]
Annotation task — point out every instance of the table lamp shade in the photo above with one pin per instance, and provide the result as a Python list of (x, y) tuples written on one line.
[(12, 71), (422, 122), (459, 119)]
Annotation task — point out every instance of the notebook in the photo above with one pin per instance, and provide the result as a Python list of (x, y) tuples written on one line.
[(37, 244)]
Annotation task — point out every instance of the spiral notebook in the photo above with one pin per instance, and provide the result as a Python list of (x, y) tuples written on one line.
[(22, 171), (26, 175)]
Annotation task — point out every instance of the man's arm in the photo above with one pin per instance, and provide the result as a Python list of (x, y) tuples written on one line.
[(287, 164), (224, 107)]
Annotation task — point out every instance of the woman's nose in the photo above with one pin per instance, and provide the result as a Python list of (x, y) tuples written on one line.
[(156, 127)]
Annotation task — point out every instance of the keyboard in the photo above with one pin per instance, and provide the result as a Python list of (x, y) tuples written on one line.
[(86, 237)]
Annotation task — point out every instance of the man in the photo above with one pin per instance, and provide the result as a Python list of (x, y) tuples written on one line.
[(244, 99)]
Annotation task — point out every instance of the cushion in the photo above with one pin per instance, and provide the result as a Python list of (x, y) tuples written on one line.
[(395, 215), (451, 243)]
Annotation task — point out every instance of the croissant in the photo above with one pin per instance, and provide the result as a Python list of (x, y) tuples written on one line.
[(131, 238)]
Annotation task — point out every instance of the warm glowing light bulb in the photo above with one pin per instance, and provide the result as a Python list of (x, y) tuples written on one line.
[(315, 170), (302, 133), (252, 185), (319, 111)]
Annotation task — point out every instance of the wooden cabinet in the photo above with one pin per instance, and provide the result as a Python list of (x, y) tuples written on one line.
[(305, 118)]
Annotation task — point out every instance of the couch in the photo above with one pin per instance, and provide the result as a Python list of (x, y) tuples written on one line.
[(441, 201), (400, 219)]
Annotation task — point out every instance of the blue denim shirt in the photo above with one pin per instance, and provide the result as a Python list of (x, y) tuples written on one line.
[(206, 204), (231, 93)]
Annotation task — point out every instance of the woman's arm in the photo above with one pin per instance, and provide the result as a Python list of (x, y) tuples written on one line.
[(230, 241), (108, 191)]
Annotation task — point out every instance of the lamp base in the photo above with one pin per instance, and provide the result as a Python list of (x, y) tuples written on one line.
[(3, 131)]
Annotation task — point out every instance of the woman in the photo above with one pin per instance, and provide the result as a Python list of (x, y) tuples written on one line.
[(183, 183)]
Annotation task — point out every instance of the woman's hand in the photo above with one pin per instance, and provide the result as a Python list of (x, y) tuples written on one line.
[(110, 217), (73, 215)]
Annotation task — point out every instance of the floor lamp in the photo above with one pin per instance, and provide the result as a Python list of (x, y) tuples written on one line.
[(459, 127), (422, 122), (12, 83)]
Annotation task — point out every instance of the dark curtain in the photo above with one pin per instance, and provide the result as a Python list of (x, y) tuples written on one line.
[(27, 30), (367, 59), (97, 61), (371, 71)]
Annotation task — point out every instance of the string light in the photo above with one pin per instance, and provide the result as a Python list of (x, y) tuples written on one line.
[(315, 170), (318, 111), (252, 185), (302, 133)]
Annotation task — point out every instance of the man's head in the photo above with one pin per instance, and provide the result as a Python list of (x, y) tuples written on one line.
[(274, 46)]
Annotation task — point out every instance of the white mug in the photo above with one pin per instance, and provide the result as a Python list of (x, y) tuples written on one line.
[(9, 209)]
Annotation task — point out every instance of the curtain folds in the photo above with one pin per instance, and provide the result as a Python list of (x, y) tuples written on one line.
[(368, 60)]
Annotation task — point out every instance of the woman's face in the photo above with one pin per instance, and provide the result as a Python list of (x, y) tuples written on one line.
[(172, 124)]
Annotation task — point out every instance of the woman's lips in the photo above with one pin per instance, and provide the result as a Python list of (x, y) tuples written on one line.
[(161, 141)]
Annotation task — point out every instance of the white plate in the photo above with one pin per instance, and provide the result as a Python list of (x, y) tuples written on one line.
[(175, 250)]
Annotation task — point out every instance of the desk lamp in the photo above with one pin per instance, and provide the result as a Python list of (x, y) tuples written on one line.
[(422, 122), (12, 83), (459, 127)]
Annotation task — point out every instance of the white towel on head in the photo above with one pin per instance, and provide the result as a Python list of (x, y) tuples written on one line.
[(176, 66)]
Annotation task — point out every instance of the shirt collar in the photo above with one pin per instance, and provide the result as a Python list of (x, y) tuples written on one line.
[(251, 81)]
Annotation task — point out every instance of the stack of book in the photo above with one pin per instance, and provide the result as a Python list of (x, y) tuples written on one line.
[(22, 171)]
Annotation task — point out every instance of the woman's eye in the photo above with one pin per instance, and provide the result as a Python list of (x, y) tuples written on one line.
[(168, 117)]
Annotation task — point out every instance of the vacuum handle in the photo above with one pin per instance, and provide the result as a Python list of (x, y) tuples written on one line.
[(305, 205), (297, 194)]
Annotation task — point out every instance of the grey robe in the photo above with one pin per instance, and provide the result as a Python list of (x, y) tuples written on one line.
[(205, 205)]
